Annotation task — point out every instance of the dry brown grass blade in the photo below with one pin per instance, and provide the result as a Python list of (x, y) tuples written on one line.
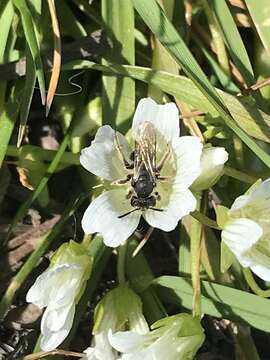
[(42, 354), (143, 242), (56, 56)]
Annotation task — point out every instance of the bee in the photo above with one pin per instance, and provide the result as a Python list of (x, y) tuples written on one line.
[(145, 172)]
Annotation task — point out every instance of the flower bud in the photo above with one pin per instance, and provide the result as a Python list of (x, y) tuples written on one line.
[(246, 229), (120, 309), (212, 163), (59, 289), (172, 338)]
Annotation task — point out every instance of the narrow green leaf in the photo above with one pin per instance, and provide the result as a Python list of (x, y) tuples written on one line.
[(118, 98), (30, 81), (216, 36), (6, 16), (222, 76), (226, 257), (259, 11), (184, 258), (8, 118), (69, 23), (156, 20), (32, 41), (252, 120), (233, 40), (218, 300)]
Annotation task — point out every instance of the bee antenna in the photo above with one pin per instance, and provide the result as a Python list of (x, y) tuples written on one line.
[(129, 212), (156, 209)]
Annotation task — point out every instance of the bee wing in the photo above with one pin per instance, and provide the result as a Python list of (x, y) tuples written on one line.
[(145, 149)]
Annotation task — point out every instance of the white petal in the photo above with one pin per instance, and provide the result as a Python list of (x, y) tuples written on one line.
[(50, 339), (215, 156), (67, 286), (259, 202), (262, 192), (181, 203), (97, 354), (54, 285), (164, 117), (38, 293), (56, 317), (103, 348), (240, 202), (102, 216), (127, 341), (188, 150), (261, 271), (240, 235), (102, 157), (212, 163), (256, 204)]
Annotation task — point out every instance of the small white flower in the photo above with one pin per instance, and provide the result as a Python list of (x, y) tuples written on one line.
[(120, 308), (173, 338), (59, 289), (181, 168), (246, 230), (212, 163)]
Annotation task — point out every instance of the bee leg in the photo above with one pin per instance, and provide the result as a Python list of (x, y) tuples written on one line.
[(126, 163), (156, 209), (164, 158), (165, 178), (122, 181), (129, 194), (127, 213)]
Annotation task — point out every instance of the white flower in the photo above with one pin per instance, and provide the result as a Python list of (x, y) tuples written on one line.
[(173, 338), (246, 230), (59, 289), (172, 195), (120, 308), (212, 163)]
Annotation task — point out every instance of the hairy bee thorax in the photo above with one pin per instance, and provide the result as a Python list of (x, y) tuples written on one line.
[(144, 184)]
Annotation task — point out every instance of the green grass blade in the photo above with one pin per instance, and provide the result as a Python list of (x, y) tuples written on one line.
[(218, 300), (233, 40), (252, 120), (6, 16), (259, 11), (8, 118), (216, 36), (118, 97), (69, 23), (225, 80), (30, 81), (156, 20), (32, 41)]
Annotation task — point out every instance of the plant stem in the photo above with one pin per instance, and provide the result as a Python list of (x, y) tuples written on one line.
[(121, 264), (196, 230), (239, 175), (253, 285), (205, 220)]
